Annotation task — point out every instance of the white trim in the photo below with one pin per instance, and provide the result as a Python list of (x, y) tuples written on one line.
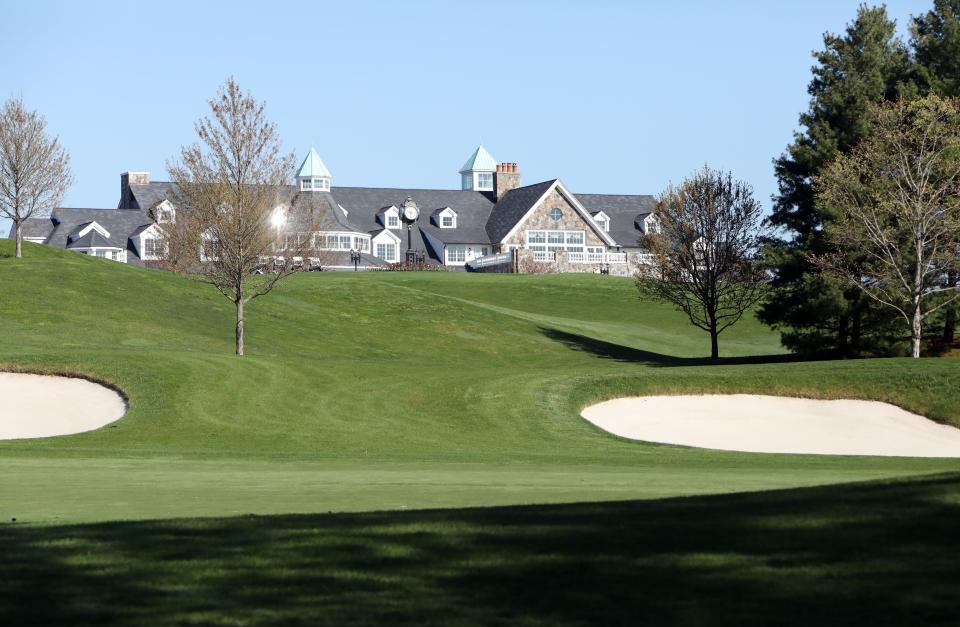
[(447, 212), (385, 220), (558, 185), (165, 205), (602, 215), (93, 225)]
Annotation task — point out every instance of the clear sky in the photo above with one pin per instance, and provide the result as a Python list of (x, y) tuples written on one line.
[(612, 97)]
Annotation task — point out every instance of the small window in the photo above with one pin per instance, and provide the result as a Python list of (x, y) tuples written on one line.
[(602, 224), (306, 184), (484, 181), (393, 221), (556, 214), (447, 222)]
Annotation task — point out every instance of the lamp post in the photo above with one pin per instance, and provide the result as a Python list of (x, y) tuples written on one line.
[(355, 258)]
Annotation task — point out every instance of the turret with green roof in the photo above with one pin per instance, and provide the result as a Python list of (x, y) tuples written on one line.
[(477, 173), (313, 174)]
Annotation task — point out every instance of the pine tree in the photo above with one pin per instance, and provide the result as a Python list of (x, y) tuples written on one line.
[(868, 63), (936, 44)]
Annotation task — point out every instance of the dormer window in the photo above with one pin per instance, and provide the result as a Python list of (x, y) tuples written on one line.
[(393, 222), (164, 213), (389, 217), (445, 218), (602, 220)]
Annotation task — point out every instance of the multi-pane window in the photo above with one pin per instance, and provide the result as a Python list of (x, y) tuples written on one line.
[(361, 243), (484, 181), (392, 221), (306, 184), (344, 242), (447, 222), (556, 214), (554, 241), (456, 254), (153, 248), (387, 252)]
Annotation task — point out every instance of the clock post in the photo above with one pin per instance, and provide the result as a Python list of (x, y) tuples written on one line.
[(410, 213)]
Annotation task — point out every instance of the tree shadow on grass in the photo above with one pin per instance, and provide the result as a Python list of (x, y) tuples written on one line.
[(626, 354), (858, 554)]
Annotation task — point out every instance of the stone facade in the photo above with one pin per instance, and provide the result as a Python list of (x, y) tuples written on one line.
[(540, 220), (524, 262), (504, 181)]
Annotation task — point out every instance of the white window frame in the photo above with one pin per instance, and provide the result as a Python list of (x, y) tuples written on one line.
[(455, 254), (447, 214), (555, 240), (485, 184), (387, 246)]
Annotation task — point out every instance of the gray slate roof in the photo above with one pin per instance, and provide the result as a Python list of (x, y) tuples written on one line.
[(64, 222), (624, 210), (512, 207)]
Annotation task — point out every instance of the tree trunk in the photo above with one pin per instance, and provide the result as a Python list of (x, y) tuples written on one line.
[(19, 240), (714, 347), (950, 316), (950, 325), (843, 334), (239, 303), (916, 332)]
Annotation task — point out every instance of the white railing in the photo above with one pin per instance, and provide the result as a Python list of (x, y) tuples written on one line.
[(544, 255), (490, 260), (575, 257)]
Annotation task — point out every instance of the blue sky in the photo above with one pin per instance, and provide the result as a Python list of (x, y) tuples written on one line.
[(612, 97)]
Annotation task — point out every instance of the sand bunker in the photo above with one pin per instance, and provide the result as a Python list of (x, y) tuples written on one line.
[(38, 406), (774, 424)]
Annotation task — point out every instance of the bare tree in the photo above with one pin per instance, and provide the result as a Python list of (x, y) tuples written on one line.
[(233, 226), (898, 194), (703, 255), (34, 167)]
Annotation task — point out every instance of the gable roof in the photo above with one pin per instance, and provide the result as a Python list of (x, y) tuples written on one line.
[(513, 206), (479, 160), (92, 239), (623, 211), (313, 166)]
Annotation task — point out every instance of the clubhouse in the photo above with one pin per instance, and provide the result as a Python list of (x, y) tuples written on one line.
[(492, 223)]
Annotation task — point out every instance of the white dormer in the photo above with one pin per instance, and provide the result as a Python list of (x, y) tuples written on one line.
[(445, 218), (93, 226), (477, 173), (165, 213), (313, 175), (602, 220), (651, 224), (389, 217)]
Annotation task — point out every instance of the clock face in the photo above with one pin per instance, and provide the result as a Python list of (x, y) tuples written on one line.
[(410, 213)]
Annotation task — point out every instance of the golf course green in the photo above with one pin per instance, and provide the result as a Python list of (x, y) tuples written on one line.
[(406, 448)]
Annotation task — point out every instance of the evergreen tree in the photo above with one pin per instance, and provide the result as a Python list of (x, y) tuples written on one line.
[(868, 63), (936, 45)]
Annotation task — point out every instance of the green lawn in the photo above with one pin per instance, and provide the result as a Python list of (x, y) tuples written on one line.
[(403, 391)]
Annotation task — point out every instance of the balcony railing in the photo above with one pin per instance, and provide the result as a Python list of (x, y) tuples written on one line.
[(576, 257)]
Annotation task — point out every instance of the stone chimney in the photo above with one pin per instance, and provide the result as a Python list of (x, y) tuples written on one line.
[(506, 178), (127, 199)]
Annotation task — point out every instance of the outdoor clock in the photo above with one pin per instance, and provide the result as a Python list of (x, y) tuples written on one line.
[(410, 210)]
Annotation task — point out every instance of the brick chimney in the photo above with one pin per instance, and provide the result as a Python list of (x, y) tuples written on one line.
[(127, 199), (506, 178)]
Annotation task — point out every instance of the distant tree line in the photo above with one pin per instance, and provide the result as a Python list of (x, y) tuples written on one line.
[(860, 253), (825, 293)]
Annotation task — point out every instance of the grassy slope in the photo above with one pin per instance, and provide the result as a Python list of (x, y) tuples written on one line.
[(393, 391), (384, 391)]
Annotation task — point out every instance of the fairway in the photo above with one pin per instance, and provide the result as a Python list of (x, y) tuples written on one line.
[(392, 392)]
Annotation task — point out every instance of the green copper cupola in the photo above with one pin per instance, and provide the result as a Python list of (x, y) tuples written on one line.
[(313, 175), (477, 173)]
